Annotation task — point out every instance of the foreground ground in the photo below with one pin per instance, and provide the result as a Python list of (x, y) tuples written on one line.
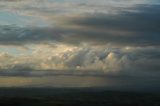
[(74, 97)]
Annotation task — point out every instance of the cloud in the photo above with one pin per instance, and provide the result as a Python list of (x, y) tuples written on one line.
[(93, 61), (90, 40), (125, 28), (136, 26), (12, 35), (10, 0)]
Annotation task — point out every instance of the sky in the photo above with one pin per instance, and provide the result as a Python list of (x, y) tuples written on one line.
[(80, 43)]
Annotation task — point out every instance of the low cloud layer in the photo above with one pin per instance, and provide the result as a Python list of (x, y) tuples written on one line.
[(86, 61)]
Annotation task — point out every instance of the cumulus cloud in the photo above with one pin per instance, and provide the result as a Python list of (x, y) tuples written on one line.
[(85, 61)]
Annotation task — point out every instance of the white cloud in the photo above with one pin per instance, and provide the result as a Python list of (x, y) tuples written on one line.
[(85, 60)]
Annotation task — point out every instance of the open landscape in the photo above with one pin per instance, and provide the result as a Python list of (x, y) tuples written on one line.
[(75, 97)]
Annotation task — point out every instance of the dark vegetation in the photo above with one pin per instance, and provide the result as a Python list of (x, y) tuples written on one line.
[(75, 97)]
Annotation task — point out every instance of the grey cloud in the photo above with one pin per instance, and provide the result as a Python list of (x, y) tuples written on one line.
[(139, 28), (12, 35), (127, 28), (10, 0)]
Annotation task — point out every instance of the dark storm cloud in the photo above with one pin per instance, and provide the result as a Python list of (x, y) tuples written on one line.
[(133, 26), (144, 19), (138, 26)]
